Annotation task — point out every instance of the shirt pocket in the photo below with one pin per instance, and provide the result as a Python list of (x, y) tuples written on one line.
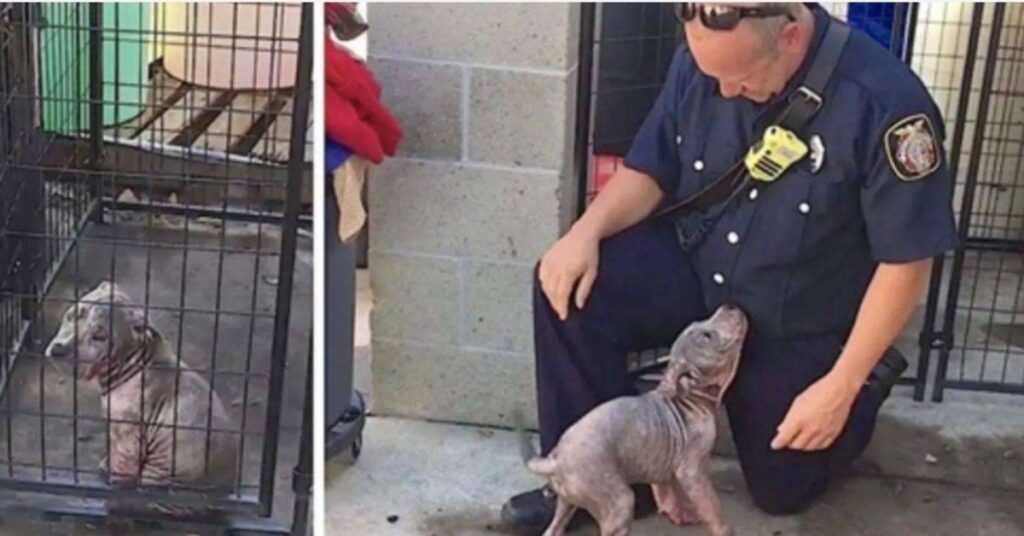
[(834, 207), (703, 161)]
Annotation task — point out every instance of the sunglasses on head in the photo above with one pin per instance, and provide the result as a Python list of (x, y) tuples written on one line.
[(726, 17)]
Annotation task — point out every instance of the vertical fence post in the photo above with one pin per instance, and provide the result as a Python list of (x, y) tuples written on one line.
[(909, 30), (96, 89), (584, 83), (30, 205), (906, 24), (302, 476), (286, 269), (971, 180)]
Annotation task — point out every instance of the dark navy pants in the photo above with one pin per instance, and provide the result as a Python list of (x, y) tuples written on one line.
[(646, 292)]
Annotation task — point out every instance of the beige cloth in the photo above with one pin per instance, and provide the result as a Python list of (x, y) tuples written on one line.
[(348, 189)]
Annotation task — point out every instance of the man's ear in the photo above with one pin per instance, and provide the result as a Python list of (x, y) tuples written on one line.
[(791, 35)]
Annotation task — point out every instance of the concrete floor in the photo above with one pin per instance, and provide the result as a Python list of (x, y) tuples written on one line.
[(928, 460), (419, 478), (170, 282)]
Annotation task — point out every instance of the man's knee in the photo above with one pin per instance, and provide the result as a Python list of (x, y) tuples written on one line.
[(779, 497), (540, 299), (782, 482)]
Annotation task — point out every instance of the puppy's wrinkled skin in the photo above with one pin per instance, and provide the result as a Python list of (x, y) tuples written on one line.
[(160, 410), (663, 437)]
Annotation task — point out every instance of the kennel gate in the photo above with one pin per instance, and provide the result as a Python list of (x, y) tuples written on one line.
[(126, 156), (974, 314)]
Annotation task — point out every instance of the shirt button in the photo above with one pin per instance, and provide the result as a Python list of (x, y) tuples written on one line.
[(732, 237), (679, 140), (804, 208), (698, 165), (719, 278), (753, 194)]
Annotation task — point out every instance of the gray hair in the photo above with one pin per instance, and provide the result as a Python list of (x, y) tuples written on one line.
[(770, 28)]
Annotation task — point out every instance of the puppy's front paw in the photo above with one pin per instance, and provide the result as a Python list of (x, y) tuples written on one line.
[(673, 504), (723, 529)]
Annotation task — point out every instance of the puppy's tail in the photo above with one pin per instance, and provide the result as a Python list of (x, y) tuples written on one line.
[(526, 448), (538, 464)]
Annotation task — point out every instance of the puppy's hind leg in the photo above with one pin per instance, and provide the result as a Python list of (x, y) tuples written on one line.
[(614, 518), (563, 514)]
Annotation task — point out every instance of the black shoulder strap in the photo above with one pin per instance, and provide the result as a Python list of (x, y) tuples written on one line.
[(807, 99), (803, 104)]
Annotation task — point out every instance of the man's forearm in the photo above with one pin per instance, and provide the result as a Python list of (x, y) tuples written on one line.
[(890, 300), (627, 198)]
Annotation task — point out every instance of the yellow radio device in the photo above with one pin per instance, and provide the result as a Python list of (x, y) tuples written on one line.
[(778, 149)]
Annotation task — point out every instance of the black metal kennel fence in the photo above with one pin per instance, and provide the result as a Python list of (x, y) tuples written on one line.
[(162, 148), (975, 309), (970, 56)]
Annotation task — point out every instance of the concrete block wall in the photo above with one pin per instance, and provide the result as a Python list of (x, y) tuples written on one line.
[(485, 94)]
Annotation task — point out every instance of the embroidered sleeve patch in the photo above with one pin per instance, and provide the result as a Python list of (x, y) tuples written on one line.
[(911, 147)]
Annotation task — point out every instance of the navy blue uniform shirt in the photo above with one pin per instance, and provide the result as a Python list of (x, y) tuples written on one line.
[(798, 254)]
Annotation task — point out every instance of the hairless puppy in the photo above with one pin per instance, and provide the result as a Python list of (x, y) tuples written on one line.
[(663, 437), (161, 411)]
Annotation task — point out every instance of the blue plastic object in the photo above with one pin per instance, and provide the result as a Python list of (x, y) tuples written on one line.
[(335, 154), (885, 23)]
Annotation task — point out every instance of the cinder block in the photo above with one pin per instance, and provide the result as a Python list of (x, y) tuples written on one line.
[(498, 306), (517, 35), (518, 118), (459, 210), (426, 99), (415, 298), (443, 383)]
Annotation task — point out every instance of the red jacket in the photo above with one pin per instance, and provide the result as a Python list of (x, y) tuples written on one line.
[(355, 116)]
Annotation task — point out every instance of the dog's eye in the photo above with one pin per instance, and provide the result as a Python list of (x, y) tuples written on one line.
[(706, 336)]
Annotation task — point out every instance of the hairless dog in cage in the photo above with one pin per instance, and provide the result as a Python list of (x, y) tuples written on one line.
[(161, 411), (663, 437)]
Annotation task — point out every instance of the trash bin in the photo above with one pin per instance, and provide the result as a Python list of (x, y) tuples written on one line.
[(344, 409)]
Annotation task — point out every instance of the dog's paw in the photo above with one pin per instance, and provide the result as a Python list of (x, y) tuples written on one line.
[(723, 530), (681, 518), (673, 505)]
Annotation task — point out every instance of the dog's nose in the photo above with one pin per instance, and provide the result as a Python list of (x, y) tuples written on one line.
[(58, 350), (728, 308)]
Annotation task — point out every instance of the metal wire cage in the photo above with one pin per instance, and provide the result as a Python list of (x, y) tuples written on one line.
[(972, 53), (160, 148)]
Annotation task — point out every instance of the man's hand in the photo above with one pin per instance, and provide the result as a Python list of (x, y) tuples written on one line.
[(573, 258), (818, 415), (629, 197)]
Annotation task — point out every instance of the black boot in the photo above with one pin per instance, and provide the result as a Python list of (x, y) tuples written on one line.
[(887, 372), (531, 512)]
